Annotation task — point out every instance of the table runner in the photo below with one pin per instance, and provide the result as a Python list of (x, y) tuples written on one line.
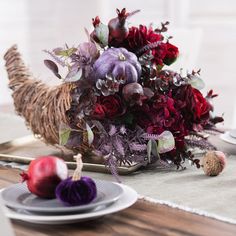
[(143, 218), (189, 189)]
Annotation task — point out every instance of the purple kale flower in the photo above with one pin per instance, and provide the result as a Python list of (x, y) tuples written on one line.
[(85, 57)]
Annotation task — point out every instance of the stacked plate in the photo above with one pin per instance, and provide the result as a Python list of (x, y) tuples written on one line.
[(229, 136), (23, 205)]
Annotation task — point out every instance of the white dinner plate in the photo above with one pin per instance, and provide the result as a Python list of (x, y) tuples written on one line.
[(232, 133), (228, 138), (128, 198), (18, 196)]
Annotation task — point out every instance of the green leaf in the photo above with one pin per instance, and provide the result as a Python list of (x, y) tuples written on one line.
[(159, 67), (152, 148), (149, 150), (66, 53), (128, 118), (196, 82), (155, 151), (102, 33), (90, 134), (64, 135), (166, 142)]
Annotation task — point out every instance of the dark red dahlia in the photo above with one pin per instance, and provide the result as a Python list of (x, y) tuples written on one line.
[(140, 37), (141, 40), (160, 114)]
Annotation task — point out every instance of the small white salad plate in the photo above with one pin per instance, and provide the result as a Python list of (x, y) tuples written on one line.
[(229, 137), (127, 198), (18, 197)]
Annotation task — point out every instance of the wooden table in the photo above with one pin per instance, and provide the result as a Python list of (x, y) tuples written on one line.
[(143, 218)]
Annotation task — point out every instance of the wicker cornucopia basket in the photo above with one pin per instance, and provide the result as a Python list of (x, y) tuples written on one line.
[(44, 108)]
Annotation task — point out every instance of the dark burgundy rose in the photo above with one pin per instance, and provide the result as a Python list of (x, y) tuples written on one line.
[(171, 55), (108, 107), (194, 107), (99, 111)]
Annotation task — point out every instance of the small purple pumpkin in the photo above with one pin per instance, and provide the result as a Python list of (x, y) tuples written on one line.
[(75, 193), (118, 63), (76, 190)]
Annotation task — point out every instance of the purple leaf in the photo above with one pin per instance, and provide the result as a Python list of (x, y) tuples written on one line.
[(150, 136), (53, 67), (148, 92), (112, 164), (74, 78), (73, 71), (55, 58), (138, 147), (113, 130), (119, 146), (123, 130)]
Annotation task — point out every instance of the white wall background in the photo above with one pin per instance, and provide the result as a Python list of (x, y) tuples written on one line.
[(205, 32)]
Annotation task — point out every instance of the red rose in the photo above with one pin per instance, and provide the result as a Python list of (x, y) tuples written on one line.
[(193, 106), (172, 53), (99, 111), (202, 106), (108, 107)]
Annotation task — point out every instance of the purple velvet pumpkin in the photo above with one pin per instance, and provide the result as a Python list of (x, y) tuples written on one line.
[(75, 193), (119, 64)]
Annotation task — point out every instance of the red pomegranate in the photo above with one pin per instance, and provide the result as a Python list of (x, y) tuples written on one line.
[(44, 174), (118, 27)]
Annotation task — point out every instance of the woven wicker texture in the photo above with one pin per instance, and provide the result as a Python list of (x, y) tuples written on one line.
[(43, 107)]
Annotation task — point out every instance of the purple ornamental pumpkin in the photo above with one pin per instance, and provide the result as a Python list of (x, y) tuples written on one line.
[(119, 64), (76, 193), (76, 190)]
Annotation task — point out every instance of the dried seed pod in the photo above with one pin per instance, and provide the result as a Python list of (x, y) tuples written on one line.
[(213, 163)]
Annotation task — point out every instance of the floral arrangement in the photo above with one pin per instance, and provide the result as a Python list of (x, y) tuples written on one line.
[(126, 107)]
